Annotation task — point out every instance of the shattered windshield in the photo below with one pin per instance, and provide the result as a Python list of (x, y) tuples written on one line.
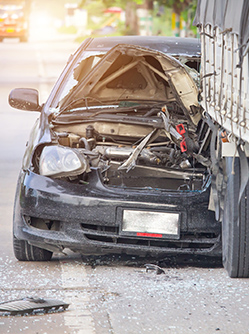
[(88, 60)]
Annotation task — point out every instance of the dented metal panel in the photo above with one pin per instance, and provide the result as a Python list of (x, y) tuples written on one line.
[(130, 114), (225, 64), (225, 81)]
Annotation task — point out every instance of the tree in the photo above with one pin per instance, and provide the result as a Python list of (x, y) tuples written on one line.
[(178, 6), (130, 7)]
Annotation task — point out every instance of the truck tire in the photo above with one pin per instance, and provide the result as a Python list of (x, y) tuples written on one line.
[(235, 223), (25, 252)]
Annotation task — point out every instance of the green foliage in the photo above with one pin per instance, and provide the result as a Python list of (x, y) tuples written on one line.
[(161, 19), (178, 5), (120, 3), (67, 30), (80, 39), (96, 7)]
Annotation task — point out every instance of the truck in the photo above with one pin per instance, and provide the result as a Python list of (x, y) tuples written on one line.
[(224, 96), (14, 19)]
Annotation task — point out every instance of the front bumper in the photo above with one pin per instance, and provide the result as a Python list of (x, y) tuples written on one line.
[(88, 217), (13, 32)]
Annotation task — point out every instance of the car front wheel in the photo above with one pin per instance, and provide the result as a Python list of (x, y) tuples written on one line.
[(235, 224), (25, 252)]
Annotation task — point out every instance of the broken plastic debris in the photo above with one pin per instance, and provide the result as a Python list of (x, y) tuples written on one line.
[(157, 269), (30, 305)]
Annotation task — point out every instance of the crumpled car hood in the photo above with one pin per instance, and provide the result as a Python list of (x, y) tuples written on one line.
[(131, 73)]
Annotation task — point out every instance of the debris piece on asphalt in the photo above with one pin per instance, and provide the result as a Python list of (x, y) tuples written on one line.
[(30, 305), (154, 267)]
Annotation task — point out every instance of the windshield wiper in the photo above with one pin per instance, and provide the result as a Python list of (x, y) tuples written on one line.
[(122, 109), (134, 108), (109, 108), (85, 98)]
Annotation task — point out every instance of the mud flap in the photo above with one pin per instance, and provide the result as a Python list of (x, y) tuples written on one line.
[(244, 171)]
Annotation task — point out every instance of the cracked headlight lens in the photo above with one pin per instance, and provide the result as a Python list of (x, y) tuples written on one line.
[(59, 161)]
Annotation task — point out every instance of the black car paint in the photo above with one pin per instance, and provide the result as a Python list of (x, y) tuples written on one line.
[(82, 211), (89, 216)]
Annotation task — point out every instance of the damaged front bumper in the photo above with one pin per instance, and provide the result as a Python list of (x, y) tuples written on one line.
[(89, 218)]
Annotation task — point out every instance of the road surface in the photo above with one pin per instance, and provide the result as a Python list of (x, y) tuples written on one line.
[(111, 294)]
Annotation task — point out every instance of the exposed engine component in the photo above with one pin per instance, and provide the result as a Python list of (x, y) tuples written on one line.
[(150, 147)]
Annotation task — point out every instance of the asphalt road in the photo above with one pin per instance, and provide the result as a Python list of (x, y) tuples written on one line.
[(110, 294)]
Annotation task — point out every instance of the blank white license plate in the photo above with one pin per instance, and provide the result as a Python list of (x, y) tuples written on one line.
[(151, 224)]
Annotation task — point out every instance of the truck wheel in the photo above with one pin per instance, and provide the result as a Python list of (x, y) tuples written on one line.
[(235, 224), (25, 252)]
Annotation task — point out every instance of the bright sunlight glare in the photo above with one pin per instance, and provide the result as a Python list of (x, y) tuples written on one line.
[(42, 25)]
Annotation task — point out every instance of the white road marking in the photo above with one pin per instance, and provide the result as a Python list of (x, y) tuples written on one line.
[(76, 286)]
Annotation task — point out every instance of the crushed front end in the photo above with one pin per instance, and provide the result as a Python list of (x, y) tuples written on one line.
[(127, 166)]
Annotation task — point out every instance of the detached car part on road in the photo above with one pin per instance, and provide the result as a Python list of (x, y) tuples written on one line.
[(119, 160)]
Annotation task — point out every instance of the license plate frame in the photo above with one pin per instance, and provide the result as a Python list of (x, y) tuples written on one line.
[(151, 223)]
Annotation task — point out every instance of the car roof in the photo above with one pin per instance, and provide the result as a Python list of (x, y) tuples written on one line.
[(176, 46)]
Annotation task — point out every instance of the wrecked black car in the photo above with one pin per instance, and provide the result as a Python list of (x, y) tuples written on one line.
[(119, 159)]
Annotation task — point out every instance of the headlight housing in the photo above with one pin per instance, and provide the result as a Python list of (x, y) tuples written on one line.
[(59, 161)]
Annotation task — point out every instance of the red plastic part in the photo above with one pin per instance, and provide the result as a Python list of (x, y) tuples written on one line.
[(180, 129)]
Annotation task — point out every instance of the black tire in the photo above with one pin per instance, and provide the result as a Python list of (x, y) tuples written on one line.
[(235, 224), (25, 252)]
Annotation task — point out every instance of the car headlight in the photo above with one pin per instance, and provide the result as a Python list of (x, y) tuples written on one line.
[(58, 161)]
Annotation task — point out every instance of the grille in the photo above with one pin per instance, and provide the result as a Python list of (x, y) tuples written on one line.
[(110, 235)]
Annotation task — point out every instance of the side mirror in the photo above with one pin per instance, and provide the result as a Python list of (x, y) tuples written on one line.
[(24, 99)]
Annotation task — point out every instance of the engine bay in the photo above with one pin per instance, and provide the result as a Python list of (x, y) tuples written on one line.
[(141, 146), (134, 115)]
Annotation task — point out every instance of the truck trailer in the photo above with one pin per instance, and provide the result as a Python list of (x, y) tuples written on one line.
[(224, 95)]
